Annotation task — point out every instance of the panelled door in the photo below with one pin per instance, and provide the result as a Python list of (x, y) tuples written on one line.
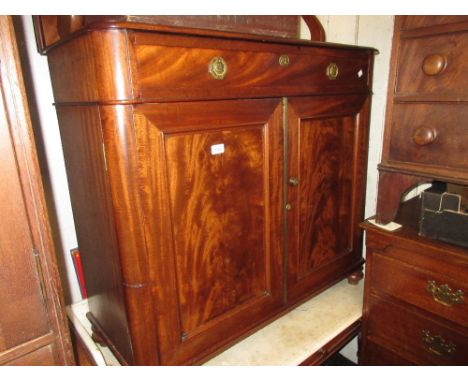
[(213, 176), (326, 147)]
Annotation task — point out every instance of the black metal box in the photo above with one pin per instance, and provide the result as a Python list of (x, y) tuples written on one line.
[(443, 216)]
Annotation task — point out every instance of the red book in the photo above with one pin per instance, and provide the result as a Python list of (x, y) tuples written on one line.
[(75, 253)]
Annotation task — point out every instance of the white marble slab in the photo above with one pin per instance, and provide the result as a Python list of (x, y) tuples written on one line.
[(294, 337), (101, 355)]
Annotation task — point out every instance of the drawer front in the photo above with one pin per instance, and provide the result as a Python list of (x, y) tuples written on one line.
[(413, 22), (430, 134), (433, 65), (412, 335), (180, 72), (375, 355), (434, 292)]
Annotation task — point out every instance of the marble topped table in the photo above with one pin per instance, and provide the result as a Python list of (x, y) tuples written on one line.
[(288, 341)]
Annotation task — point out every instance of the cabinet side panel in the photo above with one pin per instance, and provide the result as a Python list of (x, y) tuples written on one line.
[(80, 129)]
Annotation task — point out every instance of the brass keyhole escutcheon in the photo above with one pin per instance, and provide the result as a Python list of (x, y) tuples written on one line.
[(284, 60), (217, 68), (332, 71)]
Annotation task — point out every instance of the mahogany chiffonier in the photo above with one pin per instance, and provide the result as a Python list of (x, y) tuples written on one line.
[(217, 178), (33, 324), (415, 304)]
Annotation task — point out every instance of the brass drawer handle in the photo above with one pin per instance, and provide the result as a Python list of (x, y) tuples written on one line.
[(424, 136), (434, 64), (436, 344), (218, 68), (444, 295), (284, 60), (332, 71)]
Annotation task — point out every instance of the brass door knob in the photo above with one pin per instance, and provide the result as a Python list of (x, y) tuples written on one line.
[(293, 182), (288, 207)]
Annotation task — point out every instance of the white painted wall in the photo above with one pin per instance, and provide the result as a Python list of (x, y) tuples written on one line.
[(373, 31), (42, 88)]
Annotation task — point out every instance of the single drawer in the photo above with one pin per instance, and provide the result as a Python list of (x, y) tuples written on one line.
[(435, 135), (431, 291), (414, 22), (434, 65), (413, 335), (375, 355), (208, 69)]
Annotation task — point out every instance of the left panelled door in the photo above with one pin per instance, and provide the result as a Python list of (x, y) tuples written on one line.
[(211, 176)]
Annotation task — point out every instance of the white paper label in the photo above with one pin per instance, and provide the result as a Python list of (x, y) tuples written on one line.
[(217, 149)]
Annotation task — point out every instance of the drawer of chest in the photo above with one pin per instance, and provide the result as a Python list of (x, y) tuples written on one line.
[(435, 65), (430, 134), (429, 290), (214, 71), (375, 355), (415, 336)]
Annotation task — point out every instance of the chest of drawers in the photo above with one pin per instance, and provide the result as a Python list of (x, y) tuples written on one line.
[(415, 305), (415, 310), (425, 133), (216, 179)]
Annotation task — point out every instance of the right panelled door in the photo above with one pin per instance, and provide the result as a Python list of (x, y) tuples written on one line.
[(325, 182)]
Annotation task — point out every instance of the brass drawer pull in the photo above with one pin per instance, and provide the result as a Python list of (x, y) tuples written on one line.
[(436, 344), (332, 71), (284, 60), (434, 64), (424, 136), (444, 295), (218, 68)]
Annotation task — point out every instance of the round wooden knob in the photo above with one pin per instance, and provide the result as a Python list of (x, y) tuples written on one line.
[(424, 136), (434, 64)]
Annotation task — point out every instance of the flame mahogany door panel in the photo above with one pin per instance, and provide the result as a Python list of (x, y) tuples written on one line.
[(327, 151), (211, 175)]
